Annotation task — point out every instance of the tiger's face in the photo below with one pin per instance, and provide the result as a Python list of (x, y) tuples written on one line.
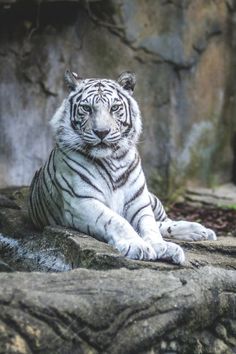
[(100, 117)]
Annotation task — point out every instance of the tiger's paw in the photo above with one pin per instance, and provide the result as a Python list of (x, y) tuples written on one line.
[(136, 249), (186, 230), (169, 251)]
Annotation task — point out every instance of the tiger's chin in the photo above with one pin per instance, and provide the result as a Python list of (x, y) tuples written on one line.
[(101, 151)]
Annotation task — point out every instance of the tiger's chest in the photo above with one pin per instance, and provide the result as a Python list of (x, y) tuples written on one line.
[(113, 183)]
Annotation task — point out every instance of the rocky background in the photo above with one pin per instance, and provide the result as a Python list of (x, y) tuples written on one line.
[(183, 53)]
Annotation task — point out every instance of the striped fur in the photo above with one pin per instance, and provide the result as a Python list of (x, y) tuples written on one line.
[(93, 180)]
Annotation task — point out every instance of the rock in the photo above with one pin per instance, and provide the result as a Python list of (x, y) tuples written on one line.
[(6, 202), (115, 311), (87, 298), (221, 196), (4, 267)]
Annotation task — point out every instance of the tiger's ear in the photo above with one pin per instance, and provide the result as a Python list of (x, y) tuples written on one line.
[(127, 80), (71, 80)]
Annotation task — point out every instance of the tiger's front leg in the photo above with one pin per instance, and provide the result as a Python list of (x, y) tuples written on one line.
[(99, 221), (149, 231), (141, 217)]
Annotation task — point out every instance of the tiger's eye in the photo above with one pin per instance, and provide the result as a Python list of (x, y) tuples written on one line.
[(86, 108), (115, 107)]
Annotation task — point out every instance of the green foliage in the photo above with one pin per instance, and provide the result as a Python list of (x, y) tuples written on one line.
[(229, 206)]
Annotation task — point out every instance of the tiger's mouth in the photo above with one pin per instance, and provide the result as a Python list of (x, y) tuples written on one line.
[(102, 145)]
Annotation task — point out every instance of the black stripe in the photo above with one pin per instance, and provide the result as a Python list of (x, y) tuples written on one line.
[(109, 185), (135, 196), (111, 165), (130, 114), (78, 98), (57, 182), (44, 200), (77, 163), (136, 213), (37, 203), (120, 157), (107, 224), (161, 216), (72, 217), (44, 218), (124, 177), (122, 99), (158, 209), (109, 181), (54, 218), (31, 209), (76, 194), (91, 93), (34, 212), (138, 225), (155, 202), (74, 112), (137, 177), (83, 177), (49, 173), (71, 101), (73, 193), (51, 196), (99, 216)]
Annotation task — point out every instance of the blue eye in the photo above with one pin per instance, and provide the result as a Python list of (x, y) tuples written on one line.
[(86, 108), (115, 107)]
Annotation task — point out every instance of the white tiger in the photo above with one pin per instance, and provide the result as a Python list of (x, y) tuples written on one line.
[(93, 180)]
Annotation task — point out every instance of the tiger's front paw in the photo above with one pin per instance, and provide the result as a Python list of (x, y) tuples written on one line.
[(211, 235), (186, 230), (136, 249), (169, 251)]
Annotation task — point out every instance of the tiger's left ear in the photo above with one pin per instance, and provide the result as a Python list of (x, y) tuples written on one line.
[(71, 80), (127, 80)]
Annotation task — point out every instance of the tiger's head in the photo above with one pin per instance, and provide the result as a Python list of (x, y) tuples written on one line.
[(99, 117)]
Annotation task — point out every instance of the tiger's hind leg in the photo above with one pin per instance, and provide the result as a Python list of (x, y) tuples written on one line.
[(180, 230)]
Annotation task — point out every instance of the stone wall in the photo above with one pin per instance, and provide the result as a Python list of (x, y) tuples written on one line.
[(183, 53)]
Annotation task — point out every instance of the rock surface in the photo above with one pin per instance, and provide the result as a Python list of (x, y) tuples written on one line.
[(221, 196), (183, 53), (100, 302)]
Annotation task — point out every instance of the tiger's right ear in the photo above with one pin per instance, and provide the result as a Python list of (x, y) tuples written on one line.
[(71, 80)]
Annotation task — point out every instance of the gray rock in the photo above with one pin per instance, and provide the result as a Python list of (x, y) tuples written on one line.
[(116, 311), (221, 196)]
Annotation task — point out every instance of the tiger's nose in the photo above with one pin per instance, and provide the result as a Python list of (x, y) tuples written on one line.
[(101, 133)]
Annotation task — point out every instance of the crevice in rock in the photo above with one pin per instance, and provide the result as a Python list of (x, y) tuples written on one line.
[(15, 326)]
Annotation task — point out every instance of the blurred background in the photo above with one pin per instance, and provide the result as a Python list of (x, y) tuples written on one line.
[(182, 51)]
